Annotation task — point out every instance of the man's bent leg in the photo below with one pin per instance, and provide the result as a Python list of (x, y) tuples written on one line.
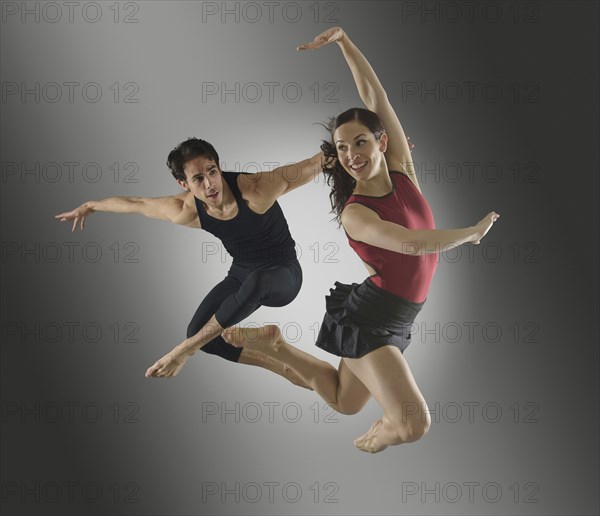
[(174, 360)]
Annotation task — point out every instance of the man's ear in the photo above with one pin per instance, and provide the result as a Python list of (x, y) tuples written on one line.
[(183, 185), (383, 142)]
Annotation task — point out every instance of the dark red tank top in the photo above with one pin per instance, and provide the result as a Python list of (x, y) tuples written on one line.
[(404, 275)]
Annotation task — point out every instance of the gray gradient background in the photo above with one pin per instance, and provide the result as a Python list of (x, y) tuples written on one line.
[(166, 449)]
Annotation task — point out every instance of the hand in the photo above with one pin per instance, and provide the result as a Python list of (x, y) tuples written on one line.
[(326, 37), (483, 226), (76, 215)]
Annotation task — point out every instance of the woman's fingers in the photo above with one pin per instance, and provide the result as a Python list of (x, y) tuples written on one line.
[(328, 36)]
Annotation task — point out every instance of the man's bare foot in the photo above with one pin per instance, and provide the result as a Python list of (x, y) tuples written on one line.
[(371, 441), (168, 366), (266, 339)]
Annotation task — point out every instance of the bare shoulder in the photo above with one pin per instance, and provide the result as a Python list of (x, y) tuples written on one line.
[(183, 210), (356, 219), (407, 170), (248, 184)]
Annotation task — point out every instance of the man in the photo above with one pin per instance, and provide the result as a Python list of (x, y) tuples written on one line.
[(242, 211)]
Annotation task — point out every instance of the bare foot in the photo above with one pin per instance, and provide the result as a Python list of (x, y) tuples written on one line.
[(371, 441), (266, 339), (168, 366)]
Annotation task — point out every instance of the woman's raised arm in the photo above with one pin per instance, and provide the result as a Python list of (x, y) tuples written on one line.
[(375, 98)]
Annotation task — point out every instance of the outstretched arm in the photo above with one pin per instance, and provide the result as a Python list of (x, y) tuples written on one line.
[(281, 180), (172, 208), (364, 225), (373, 95)]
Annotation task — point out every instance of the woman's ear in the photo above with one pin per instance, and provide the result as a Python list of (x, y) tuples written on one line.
[(383, 142)]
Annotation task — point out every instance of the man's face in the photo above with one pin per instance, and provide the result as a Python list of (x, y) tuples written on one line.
[(204, 180)]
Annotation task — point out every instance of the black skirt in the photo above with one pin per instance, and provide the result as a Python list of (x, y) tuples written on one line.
[(361, 318)]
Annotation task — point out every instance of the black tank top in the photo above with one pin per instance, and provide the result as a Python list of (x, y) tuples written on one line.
[(250, 238)]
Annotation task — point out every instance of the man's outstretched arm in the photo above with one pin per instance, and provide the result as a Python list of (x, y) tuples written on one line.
[(175, 208), (284, 179)]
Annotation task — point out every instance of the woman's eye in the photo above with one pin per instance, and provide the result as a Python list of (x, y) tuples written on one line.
[(360, 142)]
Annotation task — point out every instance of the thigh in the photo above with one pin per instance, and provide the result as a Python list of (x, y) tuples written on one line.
[(387, 376), (211, 303), (275, 285)]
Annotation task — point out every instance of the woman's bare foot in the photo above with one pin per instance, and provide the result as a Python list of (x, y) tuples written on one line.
[(266, 339), (371, 441)]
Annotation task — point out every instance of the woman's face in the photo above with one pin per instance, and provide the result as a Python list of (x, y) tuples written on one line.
[(358, 151)]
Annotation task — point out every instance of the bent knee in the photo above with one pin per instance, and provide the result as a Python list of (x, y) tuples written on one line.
[(347, 409)]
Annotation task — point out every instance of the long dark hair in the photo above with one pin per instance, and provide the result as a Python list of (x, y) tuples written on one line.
[(342, 184)]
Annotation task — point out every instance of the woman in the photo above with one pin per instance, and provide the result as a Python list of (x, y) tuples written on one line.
[(376, 197)]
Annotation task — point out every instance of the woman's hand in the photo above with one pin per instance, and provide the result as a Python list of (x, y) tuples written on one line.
[(483, 226), (329, 36), (76, 215)]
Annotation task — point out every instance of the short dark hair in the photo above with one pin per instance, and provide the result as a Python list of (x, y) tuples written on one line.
[(186, 151)]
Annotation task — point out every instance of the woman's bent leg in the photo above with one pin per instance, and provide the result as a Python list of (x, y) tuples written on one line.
[(387, 376), (340, 389)]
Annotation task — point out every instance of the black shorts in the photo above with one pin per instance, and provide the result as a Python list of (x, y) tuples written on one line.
[(361, 318)]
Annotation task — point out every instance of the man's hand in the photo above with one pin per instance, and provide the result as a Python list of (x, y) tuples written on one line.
[(76, 215)]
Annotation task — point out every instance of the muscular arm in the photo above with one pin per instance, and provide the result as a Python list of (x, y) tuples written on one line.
[(364, 225), (281, 180), (176, 209)]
